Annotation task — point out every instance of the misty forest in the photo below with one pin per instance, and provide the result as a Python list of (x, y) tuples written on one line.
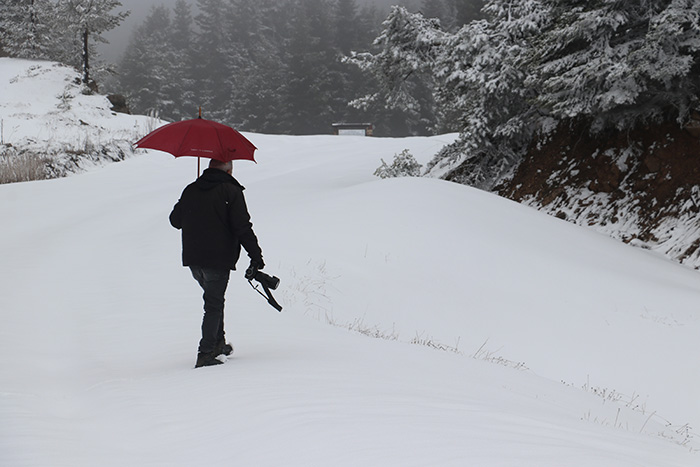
[(268, 66)]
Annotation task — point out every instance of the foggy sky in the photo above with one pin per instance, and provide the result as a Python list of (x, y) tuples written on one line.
[(119, 37)]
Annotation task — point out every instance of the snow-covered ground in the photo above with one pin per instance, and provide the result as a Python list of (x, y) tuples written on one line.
[(425, 324)]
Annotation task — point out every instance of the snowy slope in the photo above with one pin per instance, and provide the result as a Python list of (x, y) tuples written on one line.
[(561, 347), (44, 110)]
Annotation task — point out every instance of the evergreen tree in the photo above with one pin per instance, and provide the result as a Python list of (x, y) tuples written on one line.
[(26, 28), (145, 68), (83, 22), (484, 79), (619, 63), (346, 79), (670, 60), (368, 25), (407, 48), (345, 21), (260, 72), (182, 67), (309, 81), (213, 66)]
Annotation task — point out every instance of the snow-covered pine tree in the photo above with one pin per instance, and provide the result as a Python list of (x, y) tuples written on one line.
[(26, 28), (345, 22), (308, 55), (408, 46), (258, 82), (215, 57), (669, 62), (403, 165), (144, 71), (368, 24), (348, 80), (619, 63), (182, 70), (83, 23), (483, 75)]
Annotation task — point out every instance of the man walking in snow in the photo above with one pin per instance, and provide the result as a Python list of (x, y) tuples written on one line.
[(214, 220)]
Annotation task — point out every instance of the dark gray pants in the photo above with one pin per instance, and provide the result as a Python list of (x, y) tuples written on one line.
[(214, 283)]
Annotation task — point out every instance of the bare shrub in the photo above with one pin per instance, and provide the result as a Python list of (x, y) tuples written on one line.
[(21, 166)]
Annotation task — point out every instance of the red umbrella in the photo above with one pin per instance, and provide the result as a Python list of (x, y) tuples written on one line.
[(199, 138)]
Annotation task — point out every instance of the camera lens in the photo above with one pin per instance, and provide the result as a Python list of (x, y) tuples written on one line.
[(270, 282)]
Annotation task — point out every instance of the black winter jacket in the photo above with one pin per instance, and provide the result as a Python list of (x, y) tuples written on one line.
[(215, 222)]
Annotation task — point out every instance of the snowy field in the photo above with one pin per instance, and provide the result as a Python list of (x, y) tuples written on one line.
[(425, 324)]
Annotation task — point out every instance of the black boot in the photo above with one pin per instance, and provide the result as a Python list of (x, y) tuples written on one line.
[(223, 348), (207, 359)]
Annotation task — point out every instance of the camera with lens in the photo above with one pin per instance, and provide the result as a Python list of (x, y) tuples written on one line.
[(271, 282), (268, 283)]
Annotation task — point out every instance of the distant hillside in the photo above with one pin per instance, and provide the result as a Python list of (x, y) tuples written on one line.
[(51, 125), (641, 186)]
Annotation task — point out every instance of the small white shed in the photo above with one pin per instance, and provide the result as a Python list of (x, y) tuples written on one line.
[(355, 129)]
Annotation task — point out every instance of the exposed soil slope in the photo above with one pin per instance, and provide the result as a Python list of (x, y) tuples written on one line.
[(641, 186)]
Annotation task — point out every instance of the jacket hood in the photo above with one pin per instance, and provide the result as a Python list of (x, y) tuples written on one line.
[(211, 178)]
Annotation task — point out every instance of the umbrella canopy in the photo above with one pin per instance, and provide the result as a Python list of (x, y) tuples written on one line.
[(199, 138)]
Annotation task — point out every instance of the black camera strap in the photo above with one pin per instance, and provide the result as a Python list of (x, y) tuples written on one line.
[(268, 295)]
